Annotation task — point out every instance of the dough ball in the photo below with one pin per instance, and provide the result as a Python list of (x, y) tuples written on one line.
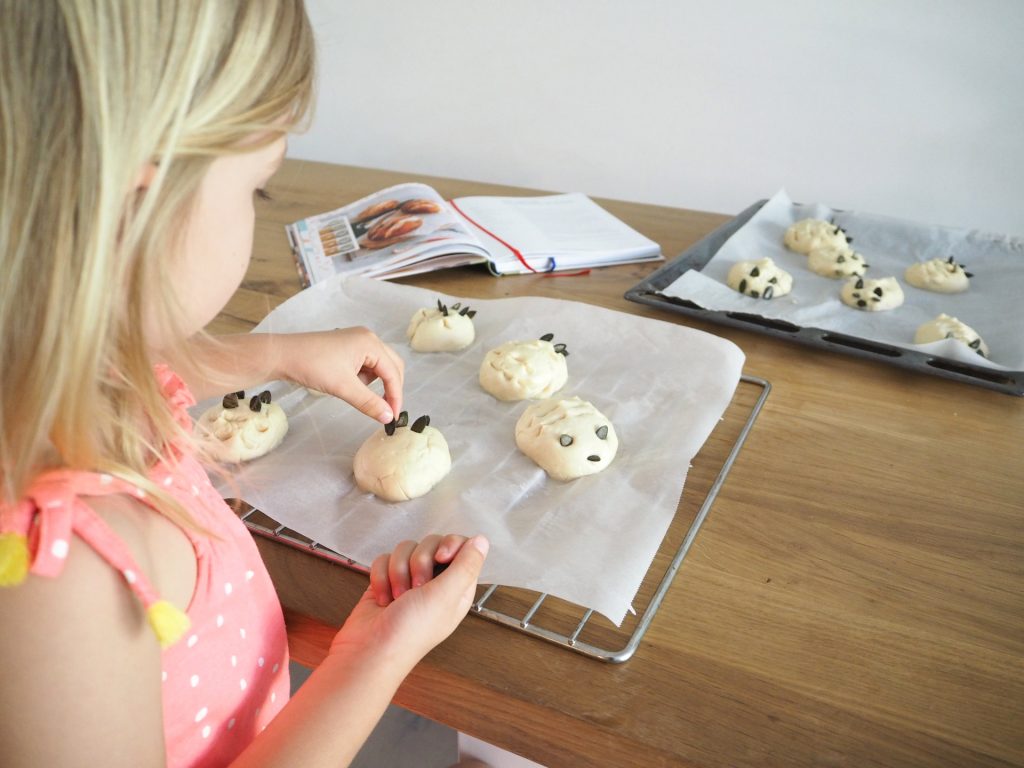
[(808, 234), (441, 329), (400, 462), (237, 431), (567, 437), (836, 262), (939, 275), (761, 279), (946, 327), (525, 370), (872, 295)]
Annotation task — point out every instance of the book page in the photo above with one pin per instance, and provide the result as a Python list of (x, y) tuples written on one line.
[(553, 232), (398, 229)]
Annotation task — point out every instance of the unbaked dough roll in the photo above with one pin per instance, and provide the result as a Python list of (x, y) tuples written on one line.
[(872, 295), (946, 327), (939, 275), (836, 262), (400, 462), (808, 234), (567, 437), (759, 279), (236, 431), (441, 329), (525, 370)]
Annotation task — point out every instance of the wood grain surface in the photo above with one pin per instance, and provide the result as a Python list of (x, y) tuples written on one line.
[(855, 597)]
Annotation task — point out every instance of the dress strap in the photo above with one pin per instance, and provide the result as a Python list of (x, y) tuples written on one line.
[(35, 537), (178, 395)]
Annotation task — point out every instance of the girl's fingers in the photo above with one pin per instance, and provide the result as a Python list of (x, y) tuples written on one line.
[(398, 568), (390, 369), (379, 582), (366, 401), (448, 548), (457, 585), (421, 563), (384, 364), (412, 564)]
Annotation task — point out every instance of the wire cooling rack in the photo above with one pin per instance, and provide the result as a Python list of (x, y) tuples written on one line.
[(567, 624)]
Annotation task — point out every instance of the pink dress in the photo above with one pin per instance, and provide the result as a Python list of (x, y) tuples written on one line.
[(226, 677)]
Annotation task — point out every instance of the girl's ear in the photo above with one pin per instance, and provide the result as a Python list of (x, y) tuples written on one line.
[(145, 176)]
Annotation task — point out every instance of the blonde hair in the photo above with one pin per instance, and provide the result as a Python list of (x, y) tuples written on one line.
[(91, 92)]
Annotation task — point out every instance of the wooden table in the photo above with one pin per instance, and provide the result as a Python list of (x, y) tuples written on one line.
[(855, 597)]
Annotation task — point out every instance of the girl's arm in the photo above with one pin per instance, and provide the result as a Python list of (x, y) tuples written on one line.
[(340, 363), (81, 667), (385, 636), (81, 679)]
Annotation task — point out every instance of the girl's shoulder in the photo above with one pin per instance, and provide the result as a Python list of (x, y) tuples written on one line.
[(73, 518), (75, 649)]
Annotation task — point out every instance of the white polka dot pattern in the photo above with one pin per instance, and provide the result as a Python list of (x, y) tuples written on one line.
[(227, 679), (219, 687)]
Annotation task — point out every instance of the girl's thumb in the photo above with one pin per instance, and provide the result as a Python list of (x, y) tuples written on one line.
[(470, 557)]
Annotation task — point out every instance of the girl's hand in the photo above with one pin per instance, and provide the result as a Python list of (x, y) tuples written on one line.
[(343, 363), (407, 610)]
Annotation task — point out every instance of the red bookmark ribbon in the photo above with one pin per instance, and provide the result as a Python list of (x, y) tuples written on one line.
[(511, 247)]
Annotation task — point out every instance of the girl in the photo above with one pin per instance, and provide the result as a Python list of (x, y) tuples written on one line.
[(139, 625)]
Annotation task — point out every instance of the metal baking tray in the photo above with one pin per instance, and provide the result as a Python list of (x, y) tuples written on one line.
[(698, 255), (567, 624)]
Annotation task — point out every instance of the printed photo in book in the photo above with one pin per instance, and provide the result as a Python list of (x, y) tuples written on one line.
[(409, 228)]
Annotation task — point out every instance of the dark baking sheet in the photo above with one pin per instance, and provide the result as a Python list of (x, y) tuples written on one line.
[(697, 256)]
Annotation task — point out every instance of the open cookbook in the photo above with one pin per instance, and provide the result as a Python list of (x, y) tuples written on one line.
[(409, 228)]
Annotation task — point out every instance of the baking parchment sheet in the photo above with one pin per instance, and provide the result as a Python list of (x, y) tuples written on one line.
[(992, 306), (589, 541)]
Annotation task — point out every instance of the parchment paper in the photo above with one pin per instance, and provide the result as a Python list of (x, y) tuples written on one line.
[(992, 306), (589, 541)]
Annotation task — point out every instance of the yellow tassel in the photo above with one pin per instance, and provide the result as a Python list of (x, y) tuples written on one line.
[(13, 559), (168, 622)]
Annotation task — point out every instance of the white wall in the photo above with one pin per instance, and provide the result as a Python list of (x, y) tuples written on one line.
[(912, 108)]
